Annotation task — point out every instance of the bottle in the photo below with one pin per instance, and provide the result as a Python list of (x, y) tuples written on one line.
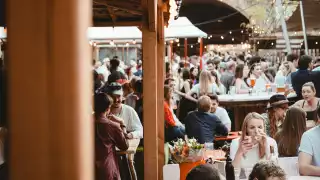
[(273, 156), (229, 169)]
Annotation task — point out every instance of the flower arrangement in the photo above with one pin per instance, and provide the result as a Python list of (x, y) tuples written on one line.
[(186, 151)]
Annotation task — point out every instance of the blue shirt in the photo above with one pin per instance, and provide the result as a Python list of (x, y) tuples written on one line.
[(203, 126)]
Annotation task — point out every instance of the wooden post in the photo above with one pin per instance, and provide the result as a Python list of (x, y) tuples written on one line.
[(186, 50), (150, 105), (201, 49), (122, 53), (51, 130), (160, 90)]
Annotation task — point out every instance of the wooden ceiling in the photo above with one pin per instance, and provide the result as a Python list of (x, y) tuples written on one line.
[(116, 12)]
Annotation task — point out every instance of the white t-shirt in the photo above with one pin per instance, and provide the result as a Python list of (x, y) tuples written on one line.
[(131, 120), (252, 156), (213, 89), (222, 114), (310, 144)]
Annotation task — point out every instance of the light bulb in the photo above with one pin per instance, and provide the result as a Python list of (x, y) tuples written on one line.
[(317, 42), (232, 39), (127, 44), (222, 37), (241, 31), (205, 47), (191, 46), (272, 44), (230, 32), (258, 42), (177, 40), (134, 42), (178, 44)]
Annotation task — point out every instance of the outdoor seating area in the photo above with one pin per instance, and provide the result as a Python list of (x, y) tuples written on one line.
[(159, 90)]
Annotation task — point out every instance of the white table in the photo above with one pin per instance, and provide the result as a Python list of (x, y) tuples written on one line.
[(263, 96), (303, 178)]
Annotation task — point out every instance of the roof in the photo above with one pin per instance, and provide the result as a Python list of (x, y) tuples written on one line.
[(180, 28)]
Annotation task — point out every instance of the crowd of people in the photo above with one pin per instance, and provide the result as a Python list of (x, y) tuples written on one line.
[(191, 108)]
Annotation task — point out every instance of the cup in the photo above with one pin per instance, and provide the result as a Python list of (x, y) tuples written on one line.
[(267, 87), (237, 172), (252, 82)]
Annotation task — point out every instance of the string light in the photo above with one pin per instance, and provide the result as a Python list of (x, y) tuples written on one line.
[(232, 39), (191, 46), (258, 42), (178, 44), (127, 44), (295, 32), (222, 37), (241, 42), (205, 47), (171, 42), (94, 44), (317, 42), (111, 43), (177, 40), (134, 41), (230, 32), (272, 44), (199, 39), (241, 31)]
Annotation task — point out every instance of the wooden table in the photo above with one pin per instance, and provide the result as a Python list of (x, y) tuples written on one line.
[(242, 104), (231, 136), (130, 152)]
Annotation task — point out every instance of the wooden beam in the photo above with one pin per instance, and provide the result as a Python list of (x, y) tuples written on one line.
[(52, 138), (112, 15), (160, 90), (127, 8), (117, 23)]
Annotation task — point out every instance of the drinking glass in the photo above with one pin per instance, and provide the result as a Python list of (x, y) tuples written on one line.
[(252, 82), (237, 172), (247, 171)]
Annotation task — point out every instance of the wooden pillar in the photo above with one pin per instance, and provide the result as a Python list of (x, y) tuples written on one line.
[(150, 105), (160, 89), (186, 50), (50, 85), (201, 52)]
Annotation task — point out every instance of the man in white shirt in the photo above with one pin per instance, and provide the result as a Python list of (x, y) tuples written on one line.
[(220, 112), (309, 152), (125, 112)]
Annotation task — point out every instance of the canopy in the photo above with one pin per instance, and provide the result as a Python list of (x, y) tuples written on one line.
[(114, 33), (183, 28), (180, 28)]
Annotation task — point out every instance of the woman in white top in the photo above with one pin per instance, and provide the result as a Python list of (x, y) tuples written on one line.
[(256, 73), (216, 80), (205, 86), (282, 74), (253, 145), (239, 83)]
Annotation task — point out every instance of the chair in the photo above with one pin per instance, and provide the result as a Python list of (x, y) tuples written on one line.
[(289, 165), (171, 172)]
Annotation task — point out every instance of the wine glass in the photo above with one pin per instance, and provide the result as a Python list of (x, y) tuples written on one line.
[(247, 171), (237, 172)]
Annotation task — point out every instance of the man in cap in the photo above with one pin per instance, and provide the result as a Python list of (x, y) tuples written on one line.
[(124, 112)]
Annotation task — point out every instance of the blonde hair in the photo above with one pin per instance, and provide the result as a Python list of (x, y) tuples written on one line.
[(205, 82), (262, 144)]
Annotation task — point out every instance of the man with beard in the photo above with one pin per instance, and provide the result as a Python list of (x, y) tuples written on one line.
[(126, 113)]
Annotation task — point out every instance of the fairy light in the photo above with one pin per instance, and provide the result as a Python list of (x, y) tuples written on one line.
[(295, 32), (241, 31), (205, 47), (127, 44), (199, 39), (111, 42), (272, 44), (191, 46), (90, 42), (171, 42), (178, 44), (317, 42), (241, 42), (232, 39), (177, 40), (230, 32), (222, 37), (258, 42), (134, 41)]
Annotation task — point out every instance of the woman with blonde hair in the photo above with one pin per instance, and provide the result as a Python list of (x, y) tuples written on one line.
[(253, 145), (205, 86), (289, 137)]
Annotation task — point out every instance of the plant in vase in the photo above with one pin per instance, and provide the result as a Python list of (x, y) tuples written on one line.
[(186, 151)]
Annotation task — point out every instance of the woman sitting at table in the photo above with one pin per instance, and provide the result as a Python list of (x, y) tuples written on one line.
[(173, 127), (310, 102), (239, 83), (216, 81), (288, 138), (206, 86), (253, 145), (109, 134), (276, 112), (260, 79)]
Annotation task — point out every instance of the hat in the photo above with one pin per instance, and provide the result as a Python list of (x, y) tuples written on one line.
[(277, 100), (115, 88), (117, 76)]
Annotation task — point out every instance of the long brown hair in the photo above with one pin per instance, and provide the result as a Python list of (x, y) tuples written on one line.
[(288, 138), (262, 144), (273, 120)]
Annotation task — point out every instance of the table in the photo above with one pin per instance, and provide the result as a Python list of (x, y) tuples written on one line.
[(216, 154), (242, 104), (130, 152), (303, 178), (231, 136)]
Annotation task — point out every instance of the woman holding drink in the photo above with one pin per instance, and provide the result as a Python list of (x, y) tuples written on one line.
[(256, 78), (254, 145)]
